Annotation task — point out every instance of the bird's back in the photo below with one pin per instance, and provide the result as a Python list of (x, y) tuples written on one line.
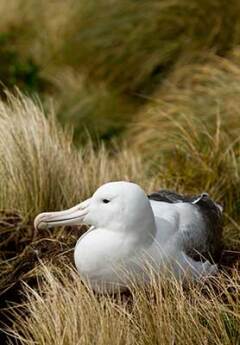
[(197, 221)]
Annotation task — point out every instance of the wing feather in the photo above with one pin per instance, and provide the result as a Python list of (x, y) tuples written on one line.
[(212, 216)]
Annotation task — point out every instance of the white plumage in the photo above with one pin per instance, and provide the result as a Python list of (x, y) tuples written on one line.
[(129, 231)]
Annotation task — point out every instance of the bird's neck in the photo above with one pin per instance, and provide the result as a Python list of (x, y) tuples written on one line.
[(144, 233)]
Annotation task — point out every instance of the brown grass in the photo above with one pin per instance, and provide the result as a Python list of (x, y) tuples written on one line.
[(92, 60), (64, 311), (190, 131), (41, 169)]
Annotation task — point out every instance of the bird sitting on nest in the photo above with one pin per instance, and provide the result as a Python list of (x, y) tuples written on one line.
[(129, 229)]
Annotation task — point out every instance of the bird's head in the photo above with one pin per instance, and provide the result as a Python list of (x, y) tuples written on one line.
[(116, 206)]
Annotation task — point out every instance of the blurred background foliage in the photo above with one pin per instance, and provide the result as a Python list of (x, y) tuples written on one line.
[(99, 62)]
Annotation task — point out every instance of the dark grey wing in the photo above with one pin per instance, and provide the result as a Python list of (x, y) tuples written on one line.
[(169, 196), (212, 215)]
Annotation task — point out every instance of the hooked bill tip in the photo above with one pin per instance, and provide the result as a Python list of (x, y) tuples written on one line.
[(41, 226), (39, 223)]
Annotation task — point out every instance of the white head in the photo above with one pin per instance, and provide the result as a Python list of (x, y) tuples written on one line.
[(116, 206)]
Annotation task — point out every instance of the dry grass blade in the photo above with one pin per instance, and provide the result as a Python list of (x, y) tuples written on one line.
[(40, 168), (65, 312), (191, 130)]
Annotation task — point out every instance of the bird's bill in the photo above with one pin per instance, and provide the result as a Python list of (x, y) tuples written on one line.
[(71, 216)]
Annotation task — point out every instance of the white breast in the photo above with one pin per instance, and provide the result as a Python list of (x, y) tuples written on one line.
[(101, 254)]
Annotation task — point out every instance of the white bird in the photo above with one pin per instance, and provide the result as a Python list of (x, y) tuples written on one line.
[(130, 229)]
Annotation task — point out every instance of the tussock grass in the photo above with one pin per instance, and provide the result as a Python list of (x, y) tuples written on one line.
[(128, 47), (190, 132), (92, 59), (31, 39), (64, 311), (92, 109), (41, 169), (130, 43)]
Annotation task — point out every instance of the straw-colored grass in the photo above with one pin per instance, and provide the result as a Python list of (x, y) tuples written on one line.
[(41, 169), (190, 131), (64, 311), (91, 109), (95, 62), (128, 47)]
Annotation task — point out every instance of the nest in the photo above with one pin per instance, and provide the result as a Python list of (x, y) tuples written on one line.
[(22, 249)]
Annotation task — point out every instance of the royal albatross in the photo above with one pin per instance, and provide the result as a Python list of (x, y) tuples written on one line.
[(129, 229)]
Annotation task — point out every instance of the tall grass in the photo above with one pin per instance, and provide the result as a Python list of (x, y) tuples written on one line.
[(40, 167), (64, 311), (92, 60), (128, 47), (41, 170), (191, 130), (91, 109), (131, 44), (31, 42)]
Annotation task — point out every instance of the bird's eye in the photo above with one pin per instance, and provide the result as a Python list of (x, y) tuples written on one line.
[(105, 201)]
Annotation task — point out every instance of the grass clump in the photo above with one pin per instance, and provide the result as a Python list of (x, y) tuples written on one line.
[(40, 167), (129, 44), (132, 44), (92, 59), (65, 311), (41, 170), (191, 130), (120, 49), (91, 109)]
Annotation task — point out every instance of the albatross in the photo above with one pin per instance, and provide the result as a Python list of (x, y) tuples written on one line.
[(129, 229)]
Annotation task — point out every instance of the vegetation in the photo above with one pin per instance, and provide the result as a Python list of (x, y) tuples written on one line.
[(115, 90), (191, 130), (64, 311), (124, 49), (42, 170), (40, 167), (137, 42)]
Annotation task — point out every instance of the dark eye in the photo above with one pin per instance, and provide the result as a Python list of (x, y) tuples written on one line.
[(106, 201)]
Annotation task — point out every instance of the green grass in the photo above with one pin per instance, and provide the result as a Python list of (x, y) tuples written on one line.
[(132, 44), (125, 49), (92, 110)]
